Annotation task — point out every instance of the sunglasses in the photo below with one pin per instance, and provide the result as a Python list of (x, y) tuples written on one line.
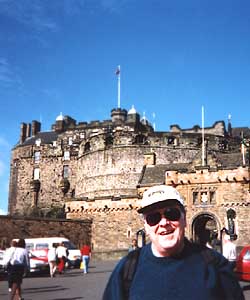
[(171, 213)]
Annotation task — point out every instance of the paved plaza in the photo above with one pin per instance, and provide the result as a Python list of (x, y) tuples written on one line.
[(73, 285)]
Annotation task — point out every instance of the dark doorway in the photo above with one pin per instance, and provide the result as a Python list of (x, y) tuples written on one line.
[(205, 231)]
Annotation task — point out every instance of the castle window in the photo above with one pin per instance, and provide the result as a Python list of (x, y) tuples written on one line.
[(87, 147), (195, 198), (36, 174), (70, 142), (204, 197), (38, 142), (199, 141), (109, 140), (171, 140), (66, 155), (140, 139), (37, 156), (223, 145), (65, 171), (212, 197)]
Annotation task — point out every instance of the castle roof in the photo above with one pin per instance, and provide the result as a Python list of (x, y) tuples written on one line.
[(230, 160), (156, 174), (46, 137)]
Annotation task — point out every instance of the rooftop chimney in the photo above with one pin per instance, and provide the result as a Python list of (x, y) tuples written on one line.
[(28, 130), (23, 132), (36, 127)]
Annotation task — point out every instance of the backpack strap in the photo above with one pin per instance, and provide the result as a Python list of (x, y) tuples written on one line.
[(128, 270)]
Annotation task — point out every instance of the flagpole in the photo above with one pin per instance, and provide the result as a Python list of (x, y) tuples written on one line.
[(243, 149), (203, 137), (119, 86)]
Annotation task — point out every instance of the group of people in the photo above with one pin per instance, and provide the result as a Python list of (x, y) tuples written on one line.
[(17, 264), (171, 267), (57, 258)]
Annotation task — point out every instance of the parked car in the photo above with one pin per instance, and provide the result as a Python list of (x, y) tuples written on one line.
[(243, 264), (39, 260), (38, 249), (1, 261)]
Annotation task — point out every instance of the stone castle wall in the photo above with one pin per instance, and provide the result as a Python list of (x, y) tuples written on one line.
[(230, 190), (97, 173), (106, 163), (19, 227), (115, 222)]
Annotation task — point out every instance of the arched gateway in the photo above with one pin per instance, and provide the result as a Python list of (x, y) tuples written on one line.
[(206, 228)]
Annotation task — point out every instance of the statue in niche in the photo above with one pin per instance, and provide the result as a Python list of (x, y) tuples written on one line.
[(204, 197)]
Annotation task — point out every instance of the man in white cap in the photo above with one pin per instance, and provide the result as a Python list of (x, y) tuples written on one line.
[(170, 267)]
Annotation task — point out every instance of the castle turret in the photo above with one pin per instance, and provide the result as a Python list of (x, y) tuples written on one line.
[(118, 115), (59, 126), (133, 116)]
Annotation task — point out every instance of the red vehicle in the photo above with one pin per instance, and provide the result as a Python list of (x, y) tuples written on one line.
[(243, 264)]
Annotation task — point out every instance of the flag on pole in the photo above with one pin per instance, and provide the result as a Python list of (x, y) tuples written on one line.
[(118, 71)]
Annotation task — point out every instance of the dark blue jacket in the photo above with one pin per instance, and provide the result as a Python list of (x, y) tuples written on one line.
[(187, 276)]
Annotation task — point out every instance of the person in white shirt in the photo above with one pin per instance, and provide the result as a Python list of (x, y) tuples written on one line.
[(6, 261), (52, 260), (229, 250), (18, 260), (61, 252)]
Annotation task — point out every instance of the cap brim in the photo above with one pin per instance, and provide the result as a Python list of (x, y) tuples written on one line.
[(158, 205)]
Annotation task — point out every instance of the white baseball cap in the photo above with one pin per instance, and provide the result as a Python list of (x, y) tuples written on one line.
[(157, 194)]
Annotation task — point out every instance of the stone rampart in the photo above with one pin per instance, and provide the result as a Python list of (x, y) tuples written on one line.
[(76, 231)]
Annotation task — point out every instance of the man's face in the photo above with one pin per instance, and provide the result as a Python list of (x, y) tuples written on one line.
[(167, 236)]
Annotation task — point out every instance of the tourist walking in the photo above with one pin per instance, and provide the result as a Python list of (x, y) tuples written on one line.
[(52, 260), (86, 256), (61, 252), (19, 264), (6, 261), (170, 267)]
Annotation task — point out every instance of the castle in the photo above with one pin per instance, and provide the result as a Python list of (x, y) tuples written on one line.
[(99, 170)]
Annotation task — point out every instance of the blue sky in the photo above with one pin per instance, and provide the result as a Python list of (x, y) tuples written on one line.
[(175, 56)]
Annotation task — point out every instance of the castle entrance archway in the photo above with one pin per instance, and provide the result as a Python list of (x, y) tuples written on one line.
[(205, 228)]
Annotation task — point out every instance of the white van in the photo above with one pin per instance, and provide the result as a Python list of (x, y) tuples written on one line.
[(38, 250)]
